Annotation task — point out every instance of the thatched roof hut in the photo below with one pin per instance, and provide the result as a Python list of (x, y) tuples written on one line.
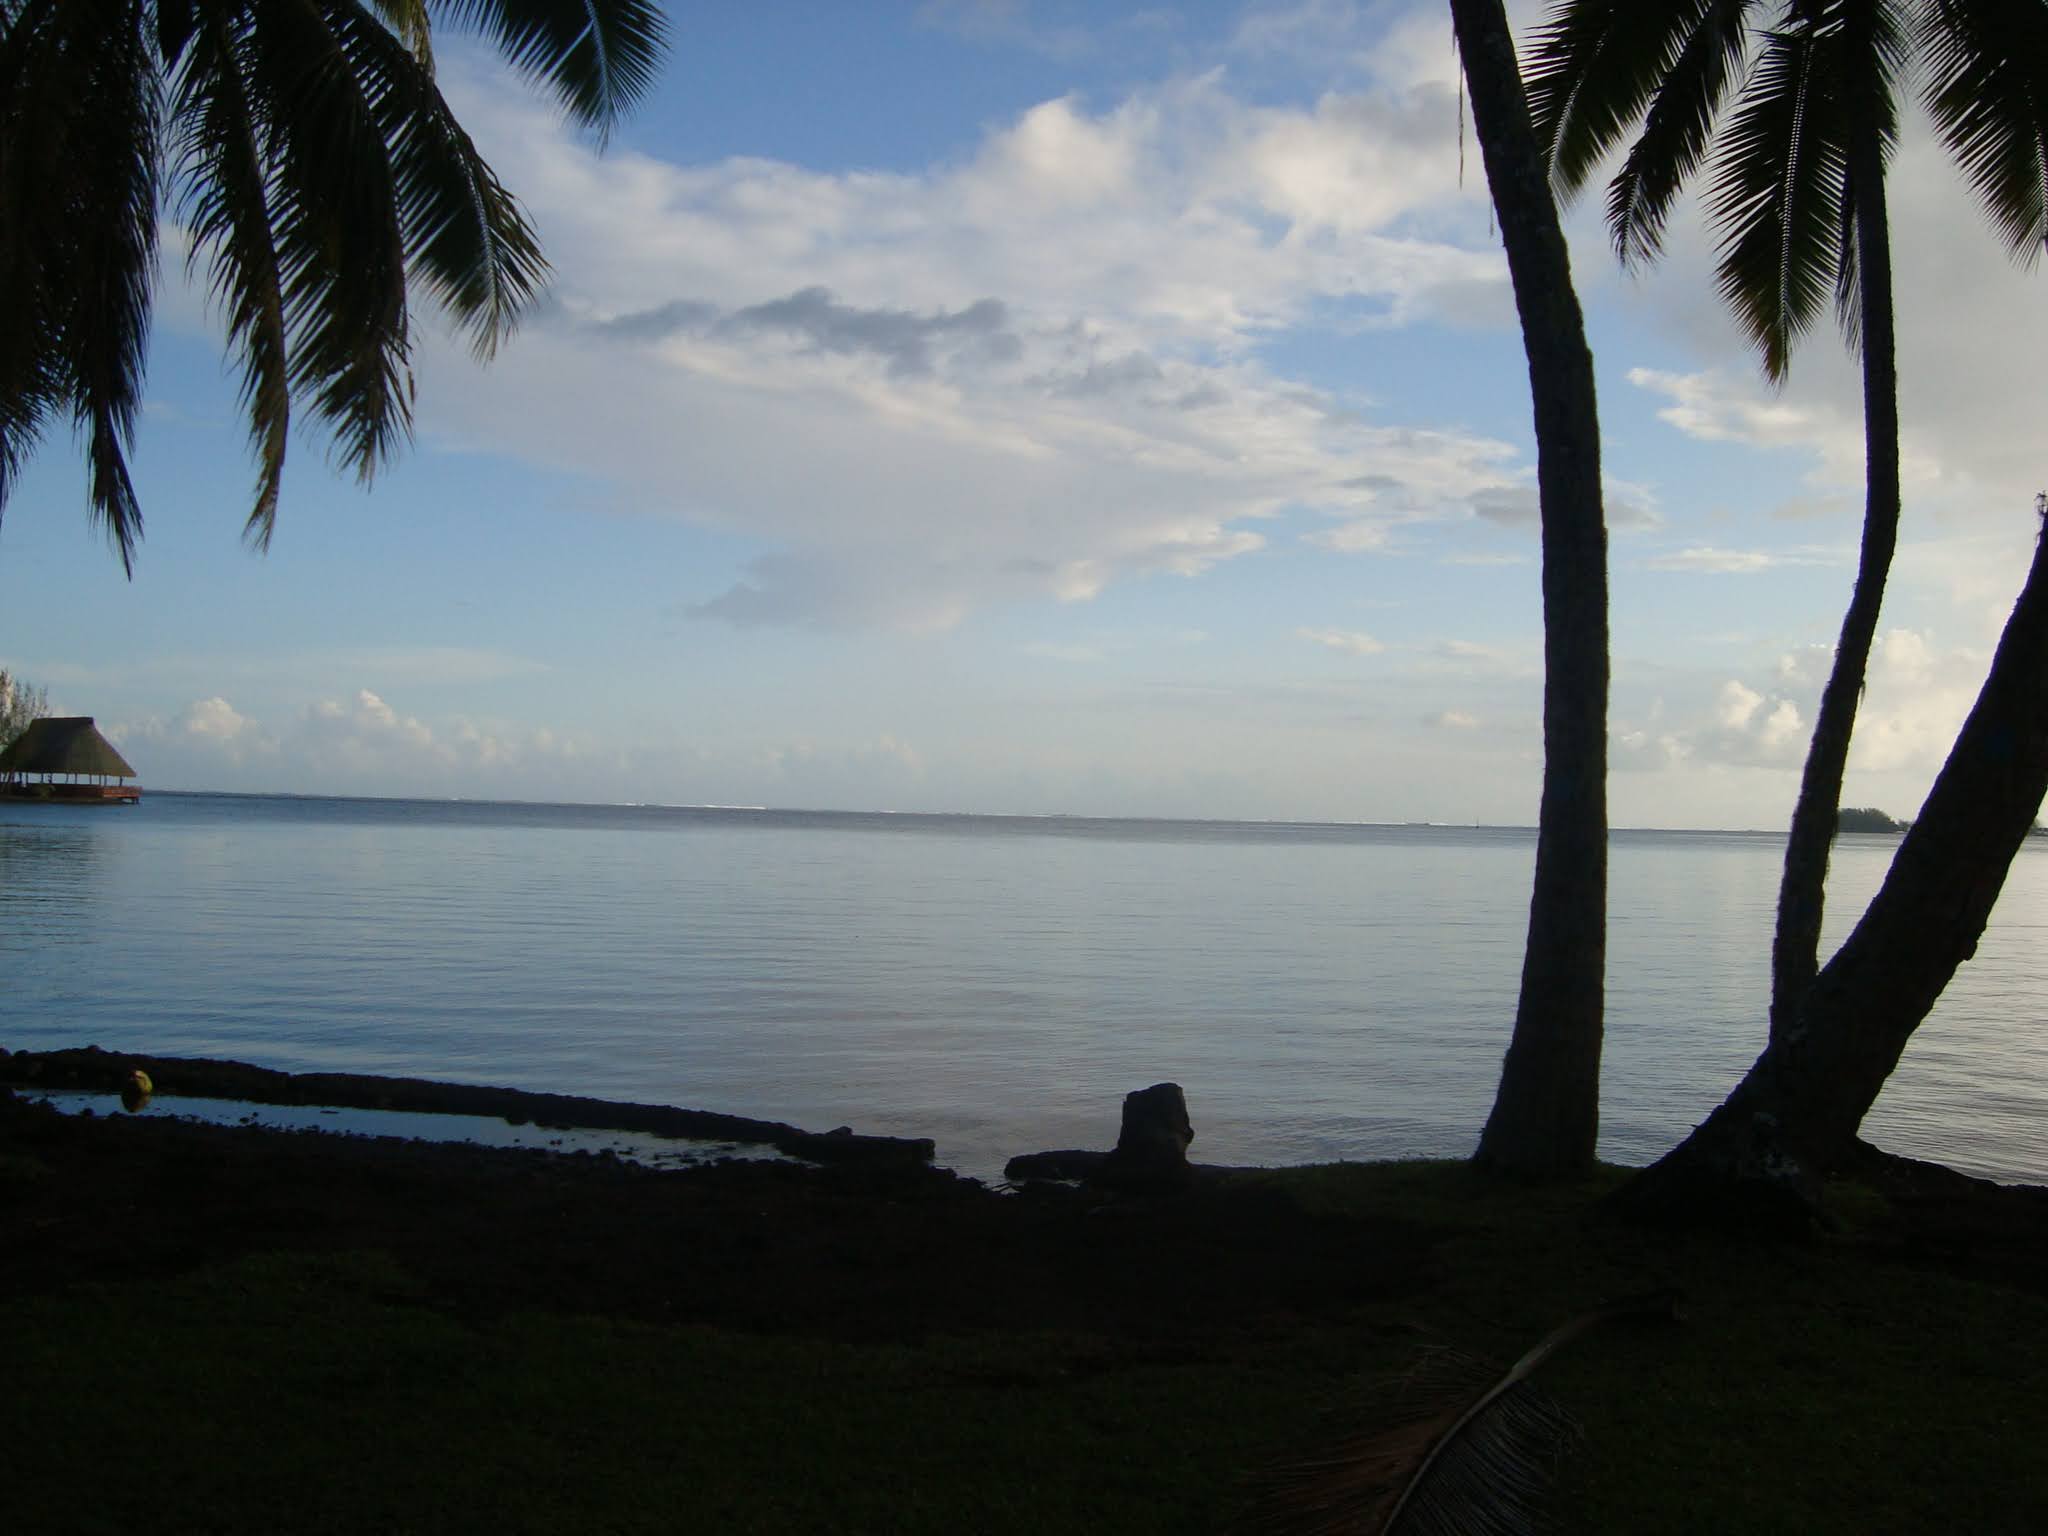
[(69, 745)]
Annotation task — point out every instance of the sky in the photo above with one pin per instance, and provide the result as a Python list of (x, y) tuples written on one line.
[(1027, 407)]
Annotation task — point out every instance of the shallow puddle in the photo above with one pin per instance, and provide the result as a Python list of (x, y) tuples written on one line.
[(634, 1146)]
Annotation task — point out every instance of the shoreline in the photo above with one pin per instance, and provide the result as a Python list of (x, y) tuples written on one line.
[(91, 1068), (296, 1329)]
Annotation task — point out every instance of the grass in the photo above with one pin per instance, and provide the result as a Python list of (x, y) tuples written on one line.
[(1814, 1389)]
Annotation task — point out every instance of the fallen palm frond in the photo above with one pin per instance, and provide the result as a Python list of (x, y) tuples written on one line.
[(1453, 1447)]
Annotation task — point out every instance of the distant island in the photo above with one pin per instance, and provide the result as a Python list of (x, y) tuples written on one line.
[(1867, 818)]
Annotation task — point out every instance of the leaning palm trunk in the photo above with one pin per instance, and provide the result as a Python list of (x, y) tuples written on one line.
[(1795, 1116), (1795, 946), (1546, 1114)]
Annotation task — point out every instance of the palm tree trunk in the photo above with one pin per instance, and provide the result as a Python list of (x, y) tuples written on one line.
[(1546, 1114), (1794, 1118), (1795, 946)]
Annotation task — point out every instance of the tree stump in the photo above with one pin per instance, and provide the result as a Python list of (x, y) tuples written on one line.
[(1152, 1143)]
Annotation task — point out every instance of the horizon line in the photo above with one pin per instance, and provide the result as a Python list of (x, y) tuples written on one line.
[(812, 810)]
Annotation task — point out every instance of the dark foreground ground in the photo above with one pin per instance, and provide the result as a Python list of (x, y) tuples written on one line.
[(222, 1329)]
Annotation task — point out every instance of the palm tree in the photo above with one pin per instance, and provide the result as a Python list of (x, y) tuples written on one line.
[(1794, 1117), (1546, 1113), (1798, 193), (310, 157)]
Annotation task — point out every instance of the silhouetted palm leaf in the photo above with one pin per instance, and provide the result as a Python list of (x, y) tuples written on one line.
[(1600, 67), (108, 192), (1455, 1444), (225, 203), (319, 172), (1987, 89), (1780, 183), (597, 56), (1798, 199), (43, 95)]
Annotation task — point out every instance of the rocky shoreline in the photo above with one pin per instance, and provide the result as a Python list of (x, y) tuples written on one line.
[(89, 1067), (884, 1249)]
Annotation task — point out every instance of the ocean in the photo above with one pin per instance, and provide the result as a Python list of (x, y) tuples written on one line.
[(996, 983)]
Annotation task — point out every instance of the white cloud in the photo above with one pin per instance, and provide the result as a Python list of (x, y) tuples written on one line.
[(1512, 506), (1637, 749), (1027, 371), (1971, 329), (1452, 719), (217, 719), (1917, 692), (365, 730), (1353, 642), (1737, 706), (211, 729), (1352, 538), (365, 742), (1916, 696), (1624, 504), (1782, 731), (1704, 557), (1750, 729)]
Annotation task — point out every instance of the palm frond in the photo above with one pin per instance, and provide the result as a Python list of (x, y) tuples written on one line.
[(465, 237), (334, 220), (1780, 183), (1592, 70), (224, 198), (1676, 127), (1848, 278), (112, 195), (1454, 1444), (42, 97), (1427, 1448), (598, 56), (1987, 90), (175, 20), (409, 19), (318, 168)]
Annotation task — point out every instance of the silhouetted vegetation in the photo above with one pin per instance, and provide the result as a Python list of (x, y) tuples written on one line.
[(322, 179), (329, 1334), (21, 705), (1798, 198), (1816, 115)]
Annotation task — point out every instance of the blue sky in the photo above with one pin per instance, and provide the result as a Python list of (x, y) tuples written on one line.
[(1035, 407)]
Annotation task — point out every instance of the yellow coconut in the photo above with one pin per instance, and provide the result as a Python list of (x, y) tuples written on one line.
[(136, 1091)]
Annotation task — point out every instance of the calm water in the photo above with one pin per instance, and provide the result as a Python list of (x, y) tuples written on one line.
[(996, 983)]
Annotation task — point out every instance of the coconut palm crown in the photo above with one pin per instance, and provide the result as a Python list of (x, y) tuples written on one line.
[(312, 170), (1807, 77), (1809, 90)]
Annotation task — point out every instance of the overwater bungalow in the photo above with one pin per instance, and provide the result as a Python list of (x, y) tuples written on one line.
[(66, 760)]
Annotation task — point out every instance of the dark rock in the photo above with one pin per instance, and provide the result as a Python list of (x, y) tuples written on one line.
[(1053, 1165), (842, 1148), (1152, 1144)]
